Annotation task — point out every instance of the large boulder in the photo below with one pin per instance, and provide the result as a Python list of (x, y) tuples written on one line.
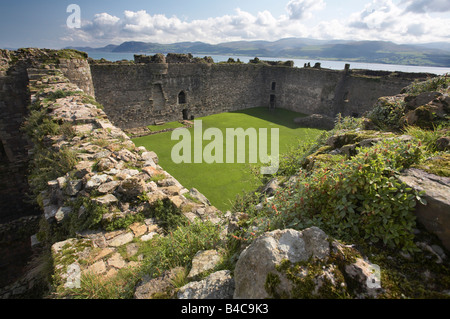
[(307, 264), (261, 258), (435, 215)]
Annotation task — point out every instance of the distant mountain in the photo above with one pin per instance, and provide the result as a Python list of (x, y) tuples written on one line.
[(430, 54)]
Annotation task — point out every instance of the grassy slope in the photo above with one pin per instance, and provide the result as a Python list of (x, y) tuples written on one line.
[(220, 183)]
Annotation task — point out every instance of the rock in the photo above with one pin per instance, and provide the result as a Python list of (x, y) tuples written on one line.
[(270, 188), (171, 190), (73, 187), (424, 116), (103, 253), (443, 143), (73, 276), (199, 196), (148, 288), (178, 201), (138, 229), (97, 180), (146, 156), (203, 261), (151, 171), (132, 187), (316, 121), (102, 155), (121, 240), (105, 200), (368, 277), (349, 150), (429, 249), (219, 285), (50, 211), (132, 249), (105, 164), (97, 268), (117, 261), (337, 141), (57, 247), (108, 188), (435, 216), (259, 260), (62, 213), (412, 102), (148, 236)]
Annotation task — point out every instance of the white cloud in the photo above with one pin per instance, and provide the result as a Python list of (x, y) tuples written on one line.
[(302, 9), (379, 20), (384, 20), (423, 6)]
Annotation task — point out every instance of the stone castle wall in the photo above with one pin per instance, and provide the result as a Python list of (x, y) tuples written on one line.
[(141, 94)]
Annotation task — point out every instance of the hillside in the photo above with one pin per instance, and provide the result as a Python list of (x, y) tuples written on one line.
[(357, 51)]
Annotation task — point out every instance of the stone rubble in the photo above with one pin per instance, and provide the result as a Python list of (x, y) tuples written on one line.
[(113, 173)]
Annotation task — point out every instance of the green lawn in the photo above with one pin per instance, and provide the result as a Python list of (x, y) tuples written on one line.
[(220, 183)]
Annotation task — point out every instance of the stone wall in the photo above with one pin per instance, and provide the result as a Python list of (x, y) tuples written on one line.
[(17, 69), (147, 92)]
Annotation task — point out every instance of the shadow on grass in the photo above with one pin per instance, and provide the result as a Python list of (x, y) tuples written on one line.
[(277, 116)]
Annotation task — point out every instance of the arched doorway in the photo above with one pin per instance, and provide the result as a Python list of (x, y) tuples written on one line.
[(185, 114), (272, 101)]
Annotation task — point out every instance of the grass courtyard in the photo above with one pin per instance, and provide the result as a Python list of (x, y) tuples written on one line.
[(222, 182)]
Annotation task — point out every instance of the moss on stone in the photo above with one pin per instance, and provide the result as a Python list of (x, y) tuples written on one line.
[(438, 165), (310, 279)]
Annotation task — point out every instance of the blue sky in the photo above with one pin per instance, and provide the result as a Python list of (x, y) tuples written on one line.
[(25, 23)]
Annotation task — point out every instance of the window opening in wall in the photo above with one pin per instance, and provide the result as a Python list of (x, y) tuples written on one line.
[(182, 98), (274, 86), (272, 101)]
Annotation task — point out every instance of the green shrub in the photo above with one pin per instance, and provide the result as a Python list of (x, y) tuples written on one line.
[(387, 113), (434, 84), (38, 125), (168, 215), (59, 94), (359, 199), (427, 137), (348, 123)]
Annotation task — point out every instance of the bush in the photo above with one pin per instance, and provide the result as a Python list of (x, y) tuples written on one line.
[(168, 215), (388, 113), (359, 199), (434, 84), (48, 165)]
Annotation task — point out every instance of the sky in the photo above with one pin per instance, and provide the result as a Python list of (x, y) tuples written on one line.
[(47, 23)]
